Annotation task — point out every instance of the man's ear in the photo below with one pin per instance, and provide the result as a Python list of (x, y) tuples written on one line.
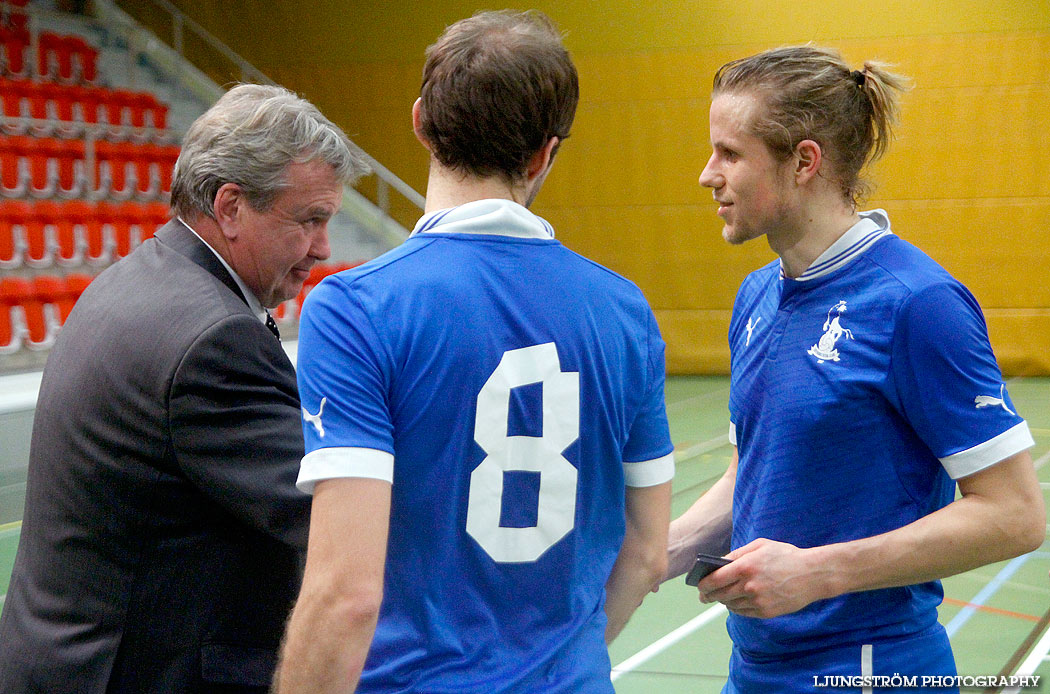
[(542, 159), (417, 126), (228, 207), (808, 159)]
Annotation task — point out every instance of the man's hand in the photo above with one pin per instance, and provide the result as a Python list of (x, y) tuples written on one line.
[(766, 579)]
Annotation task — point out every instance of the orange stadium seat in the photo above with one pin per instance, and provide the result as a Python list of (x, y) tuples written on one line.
[(59, 108), (12, 92), (111, 165), (147, 172), (13, 291), (89, 99), (34, 99), (10, 254), (39, 236), (53, 165), (49, 218), (15, 44), (77, 282), (125, 223), (136, 105), (157, 113), (47, 56), (15, 20), (119, 106), (71, 177), (70, 238), (140, 222), (41, 319), (167, 155), (14, 169), (65, 58), (282, 313), (84, 57), (55, 299), (317, 273), (97, 235), (156, 216), (41, 154), (14, 215)]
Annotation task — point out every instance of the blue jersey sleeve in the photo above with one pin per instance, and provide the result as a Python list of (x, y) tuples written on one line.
[(649, 438), (341, 374), (948, 384)]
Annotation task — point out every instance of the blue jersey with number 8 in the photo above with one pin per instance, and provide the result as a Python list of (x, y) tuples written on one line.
[(509, 389)]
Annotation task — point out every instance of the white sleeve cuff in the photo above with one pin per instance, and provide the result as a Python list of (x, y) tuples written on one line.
[(1012, 441), (732, 433), (329, 463), (650, 472)]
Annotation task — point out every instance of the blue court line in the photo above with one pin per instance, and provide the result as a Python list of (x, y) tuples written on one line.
[(988, 591)]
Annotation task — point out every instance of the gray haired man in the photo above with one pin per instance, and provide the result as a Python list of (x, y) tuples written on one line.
[(162, 535)]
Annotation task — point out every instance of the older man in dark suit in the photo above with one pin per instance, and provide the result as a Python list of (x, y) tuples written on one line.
[(162, 534)]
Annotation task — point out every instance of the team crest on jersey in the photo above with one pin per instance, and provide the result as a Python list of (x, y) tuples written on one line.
[(825, 350)]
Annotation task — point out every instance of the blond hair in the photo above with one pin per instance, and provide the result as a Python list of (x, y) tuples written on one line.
[(810, 93)]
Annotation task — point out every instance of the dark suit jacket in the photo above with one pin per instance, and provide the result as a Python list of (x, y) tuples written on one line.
[(162, 533)]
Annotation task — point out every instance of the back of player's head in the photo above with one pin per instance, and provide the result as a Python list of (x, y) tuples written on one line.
[(249, 137), (496, 88), (810, 93)]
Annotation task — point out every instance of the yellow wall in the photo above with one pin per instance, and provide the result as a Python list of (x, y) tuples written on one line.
[(968, 181)]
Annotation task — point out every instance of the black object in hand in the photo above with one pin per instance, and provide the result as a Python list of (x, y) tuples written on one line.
[(705, 564)]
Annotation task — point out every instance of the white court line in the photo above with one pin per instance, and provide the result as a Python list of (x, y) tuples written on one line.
[(1034, 660), (669, 640), (990, 589), (1042, 460)]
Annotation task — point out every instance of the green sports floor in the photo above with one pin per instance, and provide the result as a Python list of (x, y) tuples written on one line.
[(996, 616)]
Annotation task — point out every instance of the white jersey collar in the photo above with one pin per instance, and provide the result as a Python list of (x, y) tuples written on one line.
[(873, 225), (492, 216)]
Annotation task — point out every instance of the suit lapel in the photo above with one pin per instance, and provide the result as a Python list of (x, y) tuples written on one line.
[(180, 238)]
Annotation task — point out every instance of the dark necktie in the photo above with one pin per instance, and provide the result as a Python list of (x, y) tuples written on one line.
[(272, 325)]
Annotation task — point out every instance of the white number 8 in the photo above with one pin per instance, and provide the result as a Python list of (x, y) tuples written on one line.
[(556, 514)]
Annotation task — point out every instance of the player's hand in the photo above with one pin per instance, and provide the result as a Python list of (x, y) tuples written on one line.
[(766, 579)]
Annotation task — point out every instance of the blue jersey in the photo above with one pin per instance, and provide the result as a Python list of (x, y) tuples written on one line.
[(860, 391), (509, 389)]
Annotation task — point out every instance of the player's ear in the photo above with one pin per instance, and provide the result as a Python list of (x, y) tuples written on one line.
[(417, 126), (808, 158), (542, 159)]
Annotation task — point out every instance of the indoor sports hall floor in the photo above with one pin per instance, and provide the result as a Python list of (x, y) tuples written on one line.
[(996, 616)]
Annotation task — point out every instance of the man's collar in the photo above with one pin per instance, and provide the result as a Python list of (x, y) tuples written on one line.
[(873, 225), (493, 216), (249, 296)]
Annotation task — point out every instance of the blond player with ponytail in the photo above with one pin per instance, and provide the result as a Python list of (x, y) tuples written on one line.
[(863, 393)]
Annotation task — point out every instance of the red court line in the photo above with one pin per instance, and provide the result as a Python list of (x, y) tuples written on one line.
[(992, 610)]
